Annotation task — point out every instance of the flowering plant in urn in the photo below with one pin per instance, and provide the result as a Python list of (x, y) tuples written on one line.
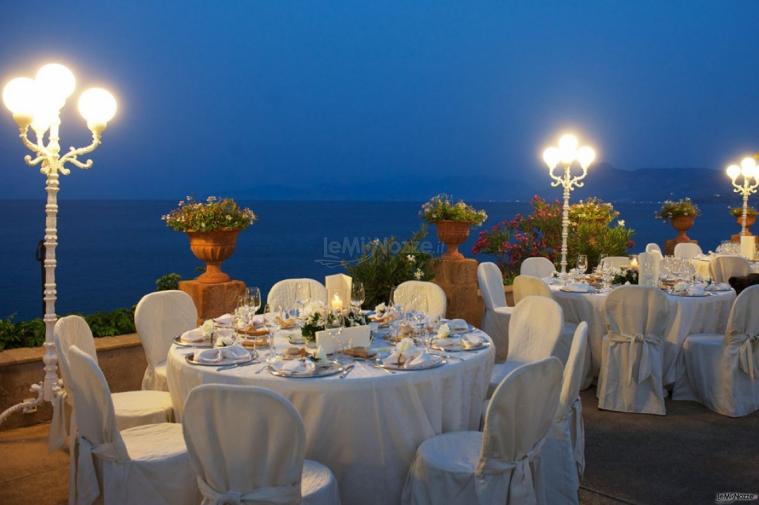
[(452, 221)]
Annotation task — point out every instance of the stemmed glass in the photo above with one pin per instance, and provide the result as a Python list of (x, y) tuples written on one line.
[(582, 264), (358, 295), (270, 322)]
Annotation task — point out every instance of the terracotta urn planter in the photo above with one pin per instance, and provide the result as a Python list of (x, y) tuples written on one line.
[(452, 234), (212, 248), (750, 220), (682, 224)]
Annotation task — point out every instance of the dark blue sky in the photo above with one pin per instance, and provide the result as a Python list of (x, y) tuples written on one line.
[(225, 97)]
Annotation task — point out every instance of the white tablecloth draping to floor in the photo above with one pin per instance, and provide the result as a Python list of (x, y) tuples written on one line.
[(705, 314), (365, 428), (702, 266)]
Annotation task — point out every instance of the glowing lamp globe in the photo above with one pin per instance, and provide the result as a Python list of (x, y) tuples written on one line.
[(586, 156), (551, 157), (733, 171), (568, 147), (748, 164), (97, 106), (55, 83), (20, 97)]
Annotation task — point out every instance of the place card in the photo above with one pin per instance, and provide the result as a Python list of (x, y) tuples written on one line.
[(337, 338)]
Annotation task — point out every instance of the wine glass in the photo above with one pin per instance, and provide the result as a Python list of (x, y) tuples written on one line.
[(582, 263), (358, 294)]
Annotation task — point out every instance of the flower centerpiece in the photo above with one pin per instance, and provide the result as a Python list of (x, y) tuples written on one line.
[(453, 221), (681, 214), (212, 227), (318, 317)]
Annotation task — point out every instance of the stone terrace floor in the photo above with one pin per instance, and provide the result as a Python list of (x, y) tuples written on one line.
[(684, 457)]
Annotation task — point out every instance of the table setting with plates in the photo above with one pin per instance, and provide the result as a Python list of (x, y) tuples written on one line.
[(388, 386)]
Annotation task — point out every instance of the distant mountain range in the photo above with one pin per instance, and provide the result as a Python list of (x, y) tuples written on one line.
[(604, 181)]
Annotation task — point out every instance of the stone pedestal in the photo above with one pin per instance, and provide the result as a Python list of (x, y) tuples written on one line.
[(459, 281), (213, 300), (669, 245)]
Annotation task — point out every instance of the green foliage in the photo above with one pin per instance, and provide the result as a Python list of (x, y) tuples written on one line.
[(315, 322), (32, 333), (385, 264), (168, 281), (670, 209), (441, 208), (213, 215), (626, 275), (738, 211)]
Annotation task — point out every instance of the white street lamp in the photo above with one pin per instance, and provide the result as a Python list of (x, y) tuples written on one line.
[(564, 158), (36, 104), (749, 170)]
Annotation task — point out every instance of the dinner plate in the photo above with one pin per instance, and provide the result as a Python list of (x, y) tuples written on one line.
[(437, 361), (181, 343), (225, 361), (565, 289), (461, 348), (686, 295), (333, 368)]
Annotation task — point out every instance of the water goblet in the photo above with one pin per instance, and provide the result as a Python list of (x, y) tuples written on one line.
[(582, 263)]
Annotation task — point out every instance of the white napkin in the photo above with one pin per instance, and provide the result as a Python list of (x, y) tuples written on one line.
[(447, 342), (721, 286), (578, 287), (225, 319), (458, 325), (218, 354), (297, 366), (400, 354), (421, 360), (696, 290), (471, 340), (194, 335)]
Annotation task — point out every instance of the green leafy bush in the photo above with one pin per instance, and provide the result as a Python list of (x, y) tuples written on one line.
[(385, 264), (168, 281)]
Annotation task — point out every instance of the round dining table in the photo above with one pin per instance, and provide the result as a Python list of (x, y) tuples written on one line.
[(689, 315), (367, 426), (702, 265)]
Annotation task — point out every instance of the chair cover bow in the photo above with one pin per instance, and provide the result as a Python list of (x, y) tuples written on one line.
[(271, 495), (578, 436), (644, 359), (518, 489), (87, 485), (57, 436), (747, 354)]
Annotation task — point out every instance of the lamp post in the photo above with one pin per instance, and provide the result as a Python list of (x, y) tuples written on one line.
[(36, 104), (567, 155), (748, 170)]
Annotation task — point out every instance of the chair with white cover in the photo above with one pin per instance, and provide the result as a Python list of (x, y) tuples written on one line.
[(722, 268), (722, 371), (653, 246), (630, 379), (502, 463), (132, 408), (259, 461), (147, 464), (687, 250), (288, 292), (535, 332), (495, 321), (529, 285), (421, 296), (563, 457), (158, 318), (615, 261), (537, 267)]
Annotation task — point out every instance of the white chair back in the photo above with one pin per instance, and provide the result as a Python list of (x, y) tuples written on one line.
[(72, 331), (573, 371), (537, 267), (490, 280), (259, 460), (161, 316), (724, 267), (616, 261), (535, 329), (636, 310), (95, 416), (652, 246), (421, 296), (743, 330), (528, 285), (288, 292), (687, 250), (516, 423)]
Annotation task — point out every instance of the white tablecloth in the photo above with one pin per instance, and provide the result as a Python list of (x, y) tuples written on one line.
[(702, 267), (707, 314), (365, 428)]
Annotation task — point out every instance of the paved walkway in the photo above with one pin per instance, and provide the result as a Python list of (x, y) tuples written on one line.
[(685, 457)]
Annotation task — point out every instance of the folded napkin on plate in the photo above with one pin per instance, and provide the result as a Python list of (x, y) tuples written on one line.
[(447, 342), (721, 286), (404, 351), (286, 324), (579, 287), (224, 319), (218, 354), (695, 290), (297, 366), (421, 360), (194, 335), (458, 325), (471, 340)]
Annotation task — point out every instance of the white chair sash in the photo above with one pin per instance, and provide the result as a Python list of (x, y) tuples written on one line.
[(87, 487), (578, 436), (496, 478), (748, 353), (271, 495), (644, 358), (57, 436)]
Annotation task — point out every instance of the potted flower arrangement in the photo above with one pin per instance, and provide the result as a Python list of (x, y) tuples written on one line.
[(452, 221), (681, 214), (212, 227), (318, 318), (737, 213)]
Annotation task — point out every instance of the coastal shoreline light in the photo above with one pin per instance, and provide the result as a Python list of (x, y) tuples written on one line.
[(566, 155), (36, 104)]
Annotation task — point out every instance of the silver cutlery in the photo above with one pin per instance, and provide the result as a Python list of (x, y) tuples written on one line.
[(348, 369), (236, 365)]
